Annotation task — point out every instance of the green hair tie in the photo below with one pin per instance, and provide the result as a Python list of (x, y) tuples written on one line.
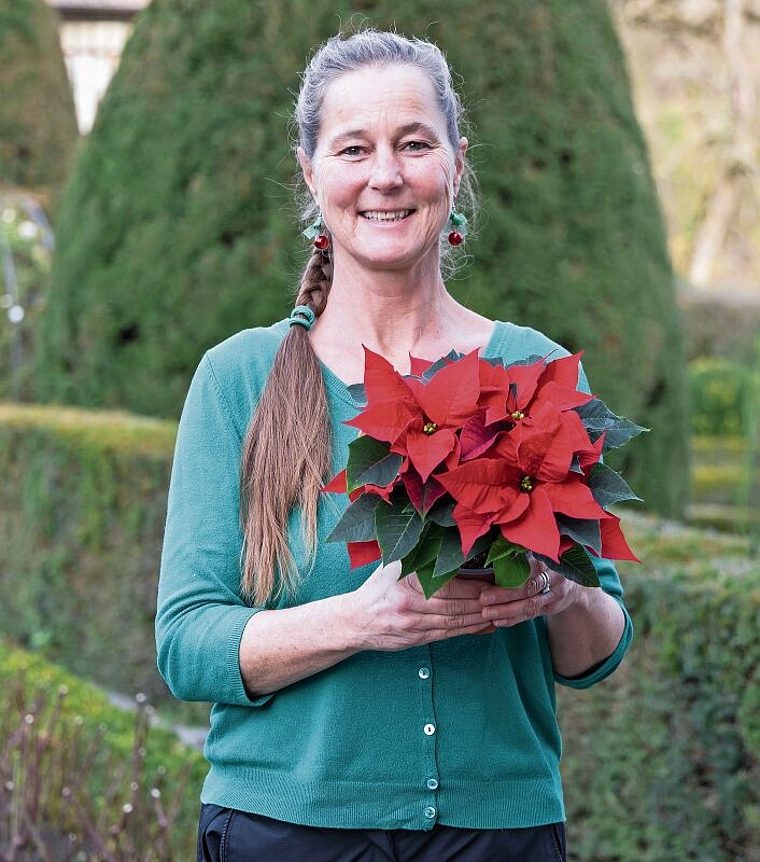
[(303, 316)]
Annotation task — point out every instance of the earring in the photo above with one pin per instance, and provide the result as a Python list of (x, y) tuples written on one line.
[(457, 228), (315, 232)]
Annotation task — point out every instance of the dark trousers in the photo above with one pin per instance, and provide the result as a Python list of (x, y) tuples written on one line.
[(226, 835)]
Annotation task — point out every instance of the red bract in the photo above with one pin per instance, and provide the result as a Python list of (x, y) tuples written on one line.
[(419, 419), (487, 450)]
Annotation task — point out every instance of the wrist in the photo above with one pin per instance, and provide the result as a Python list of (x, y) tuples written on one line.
[(348, 620)]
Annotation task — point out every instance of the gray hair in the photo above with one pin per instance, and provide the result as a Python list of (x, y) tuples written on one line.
[(341, 54)]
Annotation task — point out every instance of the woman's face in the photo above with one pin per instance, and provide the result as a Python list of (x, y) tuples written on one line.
[(384, 173)]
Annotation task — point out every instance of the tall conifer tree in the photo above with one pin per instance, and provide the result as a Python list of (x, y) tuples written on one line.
[(178, 229), (37, 122)]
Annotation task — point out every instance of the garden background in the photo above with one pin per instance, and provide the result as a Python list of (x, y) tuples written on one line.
[(617, 151)]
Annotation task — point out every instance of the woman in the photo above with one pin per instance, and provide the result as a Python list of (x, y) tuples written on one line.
[(353, 719)]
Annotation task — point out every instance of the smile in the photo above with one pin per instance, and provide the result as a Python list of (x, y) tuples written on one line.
[(378, 215)]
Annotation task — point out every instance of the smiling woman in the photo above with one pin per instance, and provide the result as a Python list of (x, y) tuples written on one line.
[(345, 701), (384, 174)]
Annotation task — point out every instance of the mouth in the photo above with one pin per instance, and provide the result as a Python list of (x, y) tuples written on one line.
[(385, 215)]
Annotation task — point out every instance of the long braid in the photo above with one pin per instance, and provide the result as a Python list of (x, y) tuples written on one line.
[(286, 453)]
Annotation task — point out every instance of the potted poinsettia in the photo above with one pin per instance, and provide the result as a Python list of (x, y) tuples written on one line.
[(468, 460)]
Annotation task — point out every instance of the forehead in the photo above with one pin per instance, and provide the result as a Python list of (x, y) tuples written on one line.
[(391, 94)]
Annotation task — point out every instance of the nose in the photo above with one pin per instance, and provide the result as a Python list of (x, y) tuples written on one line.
[(386, 170)]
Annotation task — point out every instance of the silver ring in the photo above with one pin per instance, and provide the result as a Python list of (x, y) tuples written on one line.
[(546, 585)]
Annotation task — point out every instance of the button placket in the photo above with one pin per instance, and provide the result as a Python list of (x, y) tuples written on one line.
[(428, 783)]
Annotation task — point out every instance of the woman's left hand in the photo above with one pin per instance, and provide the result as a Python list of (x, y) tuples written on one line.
[(584, 624), (544, 593)]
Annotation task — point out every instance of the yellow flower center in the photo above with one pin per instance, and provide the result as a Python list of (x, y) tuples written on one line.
[(526, 484), (429, 428), (518, 415)]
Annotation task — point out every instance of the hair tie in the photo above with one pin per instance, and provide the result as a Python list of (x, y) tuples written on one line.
[(303, 316)]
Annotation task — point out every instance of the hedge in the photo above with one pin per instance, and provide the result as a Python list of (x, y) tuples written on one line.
[(663, 761), (177, 227), (82, 508), (79, 776)]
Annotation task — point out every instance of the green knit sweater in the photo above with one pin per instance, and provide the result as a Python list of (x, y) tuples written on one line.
[(461, 732)]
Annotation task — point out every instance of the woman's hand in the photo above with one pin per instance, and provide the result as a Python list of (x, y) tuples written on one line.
[(394, 614), (544, 593), (584, 623)]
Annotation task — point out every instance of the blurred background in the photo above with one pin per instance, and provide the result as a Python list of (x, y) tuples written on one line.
[(146, 213)]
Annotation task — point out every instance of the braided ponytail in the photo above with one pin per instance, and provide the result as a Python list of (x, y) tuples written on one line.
[(286, 452)]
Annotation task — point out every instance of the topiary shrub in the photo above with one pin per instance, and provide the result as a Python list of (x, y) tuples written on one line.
[(82, 509), (38, 127), (177, 226)]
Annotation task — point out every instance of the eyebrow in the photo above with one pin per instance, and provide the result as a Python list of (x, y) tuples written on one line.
[(409, 128)]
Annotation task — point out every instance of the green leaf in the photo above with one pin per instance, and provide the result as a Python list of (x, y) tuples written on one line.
[(371, 462), (583, 531), (510, 564), (424, 552), (441, 512), (429, 583), (576, 565), (511, 571), (357, 523), (398, 530), (598, 418), (450, 556), (609, 487)]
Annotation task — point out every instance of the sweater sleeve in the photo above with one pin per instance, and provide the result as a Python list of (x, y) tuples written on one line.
[(610, 583), (201, 616)]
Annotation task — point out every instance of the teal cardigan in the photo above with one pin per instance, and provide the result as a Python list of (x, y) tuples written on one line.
[(462, 732)]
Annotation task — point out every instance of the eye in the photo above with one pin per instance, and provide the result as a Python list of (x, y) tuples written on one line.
[(353, 151), (416, 146)]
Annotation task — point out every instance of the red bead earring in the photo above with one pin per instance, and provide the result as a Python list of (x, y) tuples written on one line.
[(315, 232), (458, 228)]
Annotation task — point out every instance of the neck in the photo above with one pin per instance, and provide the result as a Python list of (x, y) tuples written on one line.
[(391, 313)]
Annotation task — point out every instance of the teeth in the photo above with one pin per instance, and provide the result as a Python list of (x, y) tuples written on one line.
[(376, 215)]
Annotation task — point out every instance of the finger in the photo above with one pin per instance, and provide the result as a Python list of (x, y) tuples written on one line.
[(539, 582), (518, 611)]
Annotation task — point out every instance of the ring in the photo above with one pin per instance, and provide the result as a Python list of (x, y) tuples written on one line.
[(546, 585)]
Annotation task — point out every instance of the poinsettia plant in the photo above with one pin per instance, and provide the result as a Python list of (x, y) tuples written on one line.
[(469, 459)]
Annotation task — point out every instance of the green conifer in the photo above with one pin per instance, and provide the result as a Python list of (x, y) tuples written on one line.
[(37, 122), (177, 228)]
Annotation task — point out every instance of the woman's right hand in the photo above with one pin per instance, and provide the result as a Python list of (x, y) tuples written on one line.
[(394, 614), (280, 647)]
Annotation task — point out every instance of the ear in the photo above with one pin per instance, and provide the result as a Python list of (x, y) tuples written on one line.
[(459, 163), (308, 173)]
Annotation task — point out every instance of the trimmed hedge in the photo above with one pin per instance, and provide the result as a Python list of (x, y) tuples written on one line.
[(663, 761), (70, 763), (38, 129), (82, 509), (177, 229)]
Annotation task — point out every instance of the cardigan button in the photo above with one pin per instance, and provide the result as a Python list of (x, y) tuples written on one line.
[(429, 812), (424, 672), (429, 729), (432, 784)]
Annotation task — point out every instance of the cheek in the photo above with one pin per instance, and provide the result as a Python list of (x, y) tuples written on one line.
[(336, 188)]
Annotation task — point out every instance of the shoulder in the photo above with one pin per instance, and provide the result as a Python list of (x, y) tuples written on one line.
[(251, 350), (512, 343), (235, 371)]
